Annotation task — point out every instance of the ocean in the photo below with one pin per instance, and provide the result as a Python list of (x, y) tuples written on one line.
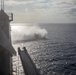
[(52, 47)]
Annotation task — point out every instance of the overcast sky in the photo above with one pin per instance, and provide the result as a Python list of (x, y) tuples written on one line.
[(42, 11)]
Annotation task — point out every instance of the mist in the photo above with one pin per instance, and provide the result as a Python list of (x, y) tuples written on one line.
[(28, 32)]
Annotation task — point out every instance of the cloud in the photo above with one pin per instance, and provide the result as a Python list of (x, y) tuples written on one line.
[(15, 2), (72, 12), (39, 10)]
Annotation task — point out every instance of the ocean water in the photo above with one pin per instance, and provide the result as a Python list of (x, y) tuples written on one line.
[(52, 47)]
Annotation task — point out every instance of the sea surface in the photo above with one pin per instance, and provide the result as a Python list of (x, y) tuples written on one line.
[(53, 52)]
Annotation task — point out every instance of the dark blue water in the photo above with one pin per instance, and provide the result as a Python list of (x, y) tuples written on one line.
[(57, 54)]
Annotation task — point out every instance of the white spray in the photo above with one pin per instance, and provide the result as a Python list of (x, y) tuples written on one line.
[(28, 32)]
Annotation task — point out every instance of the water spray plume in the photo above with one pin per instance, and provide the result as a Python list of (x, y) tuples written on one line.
[(28, 32)]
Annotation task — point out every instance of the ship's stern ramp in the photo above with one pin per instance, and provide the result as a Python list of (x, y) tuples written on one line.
[(5, 43)]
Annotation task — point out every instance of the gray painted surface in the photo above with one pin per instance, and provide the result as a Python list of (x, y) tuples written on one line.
[(4, 42), (28, 65), (6, 48), (4, 22), (5, 38)]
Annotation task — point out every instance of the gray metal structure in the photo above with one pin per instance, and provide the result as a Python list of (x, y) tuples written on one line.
[(27, 63), (6, 48)]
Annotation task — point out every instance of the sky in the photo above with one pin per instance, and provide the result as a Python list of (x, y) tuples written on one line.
[(42, 11)]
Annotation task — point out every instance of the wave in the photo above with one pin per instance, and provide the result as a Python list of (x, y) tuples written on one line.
[(28, 32)]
